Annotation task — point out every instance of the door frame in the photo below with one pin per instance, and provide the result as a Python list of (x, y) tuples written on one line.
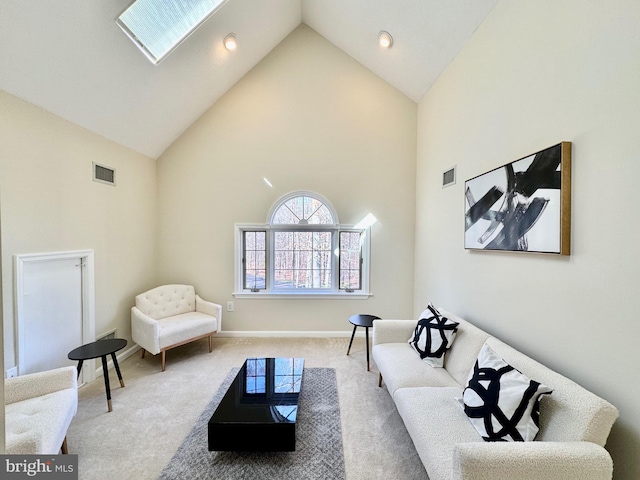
[(88, 300)]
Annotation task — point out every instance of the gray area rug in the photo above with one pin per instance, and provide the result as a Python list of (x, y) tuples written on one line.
[(318, 454)]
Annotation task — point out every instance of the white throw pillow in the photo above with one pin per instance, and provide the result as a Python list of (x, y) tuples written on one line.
[(433, 336), (502, 403)]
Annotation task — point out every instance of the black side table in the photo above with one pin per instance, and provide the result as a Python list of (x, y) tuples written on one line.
[(101, 348), (365, 321)]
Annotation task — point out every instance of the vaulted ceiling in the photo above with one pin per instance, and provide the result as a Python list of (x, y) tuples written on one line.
[(70, 58)]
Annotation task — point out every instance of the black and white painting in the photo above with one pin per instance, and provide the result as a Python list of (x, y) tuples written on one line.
[(522, 206)]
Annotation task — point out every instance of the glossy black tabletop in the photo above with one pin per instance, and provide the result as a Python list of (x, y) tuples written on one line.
[(265, 390), (258, 412), (97, 349)]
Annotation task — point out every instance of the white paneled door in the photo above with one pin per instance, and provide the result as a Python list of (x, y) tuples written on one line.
[(51, 294)]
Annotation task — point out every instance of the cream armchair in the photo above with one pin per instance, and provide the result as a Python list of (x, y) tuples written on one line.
[(39, 408), (172, 315)]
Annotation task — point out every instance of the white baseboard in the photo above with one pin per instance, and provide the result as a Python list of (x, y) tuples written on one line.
[(123, 355), (289, 334)]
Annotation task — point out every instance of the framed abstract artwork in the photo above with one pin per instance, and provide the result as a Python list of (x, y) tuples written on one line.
[(523, 206)]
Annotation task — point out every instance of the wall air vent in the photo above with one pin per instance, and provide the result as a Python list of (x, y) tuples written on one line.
[(108, 335), (449, 177), (104, 174)]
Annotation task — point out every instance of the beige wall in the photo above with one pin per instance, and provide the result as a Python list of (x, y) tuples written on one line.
[(307, 117), (49, 203), (2, 428), (536, 73)]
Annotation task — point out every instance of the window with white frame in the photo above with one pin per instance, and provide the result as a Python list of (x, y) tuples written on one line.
[(302, 250)]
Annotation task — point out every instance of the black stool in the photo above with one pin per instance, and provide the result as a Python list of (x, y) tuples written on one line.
[(101, 348), (365, 321)]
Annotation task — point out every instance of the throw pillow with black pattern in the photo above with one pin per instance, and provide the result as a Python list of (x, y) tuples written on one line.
[(433, 336), (502, 404)]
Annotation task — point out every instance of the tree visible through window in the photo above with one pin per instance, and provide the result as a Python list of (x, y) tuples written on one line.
[(302, 257), (302, 248), (255, 262), (302, 260), (303, 211), (350, 260)]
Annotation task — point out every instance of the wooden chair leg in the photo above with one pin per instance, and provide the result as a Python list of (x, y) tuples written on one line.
[(211, 343), (143, 352), (64, 448), (164, 353), (379, 380)]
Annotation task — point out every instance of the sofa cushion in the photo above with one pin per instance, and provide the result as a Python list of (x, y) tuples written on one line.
[(502, 403), (436, 424), (433, 336), (167, 300), (464, 352), (400, 367), (182, 328), (38, 425)]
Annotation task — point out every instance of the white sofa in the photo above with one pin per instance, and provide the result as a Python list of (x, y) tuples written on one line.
[(39, 408), (172, 315), (574, 423)]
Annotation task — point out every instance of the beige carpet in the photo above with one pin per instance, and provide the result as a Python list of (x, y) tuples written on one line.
[(156, 410)]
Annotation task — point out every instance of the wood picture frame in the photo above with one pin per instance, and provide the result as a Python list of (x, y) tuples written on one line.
[(523, 206)]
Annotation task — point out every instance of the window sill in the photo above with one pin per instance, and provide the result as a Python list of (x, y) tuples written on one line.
[(304, 296)]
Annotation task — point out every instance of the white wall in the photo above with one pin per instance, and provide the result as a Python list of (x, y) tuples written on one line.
[(534, 74), (50, 204), (307, 117)]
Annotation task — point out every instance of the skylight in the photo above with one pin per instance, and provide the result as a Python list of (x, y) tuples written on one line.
[(157, 27)]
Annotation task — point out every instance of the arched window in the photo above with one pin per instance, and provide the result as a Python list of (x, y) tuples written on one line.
[(302, 249), (303, 208)]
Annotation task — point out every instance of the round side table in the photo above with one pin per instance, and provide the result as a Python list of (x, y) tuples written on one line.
[(362, 320), (101, 349)]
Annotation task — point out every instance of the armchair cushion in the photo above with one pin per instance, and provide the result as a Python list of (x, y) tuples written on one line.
[(181, 328), (39, 409)]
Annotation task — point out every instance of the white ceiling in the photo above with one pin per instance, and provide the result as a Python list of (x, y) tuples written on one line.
[(70, 58)]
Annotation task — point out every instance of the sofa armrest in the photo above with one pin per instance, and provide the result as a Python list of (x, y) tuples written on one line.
[(144, 331), (209, 308), (393, 331), (32, 385), (531, 461)]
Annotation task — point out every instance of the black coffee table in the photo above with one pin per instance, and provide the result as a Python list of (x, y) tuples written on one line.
[(101, 348), (258, 411)]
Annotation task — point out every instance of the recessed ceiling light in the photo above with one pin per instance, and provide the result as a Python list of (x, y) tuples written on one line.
[(230, 42), (385, 39)]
